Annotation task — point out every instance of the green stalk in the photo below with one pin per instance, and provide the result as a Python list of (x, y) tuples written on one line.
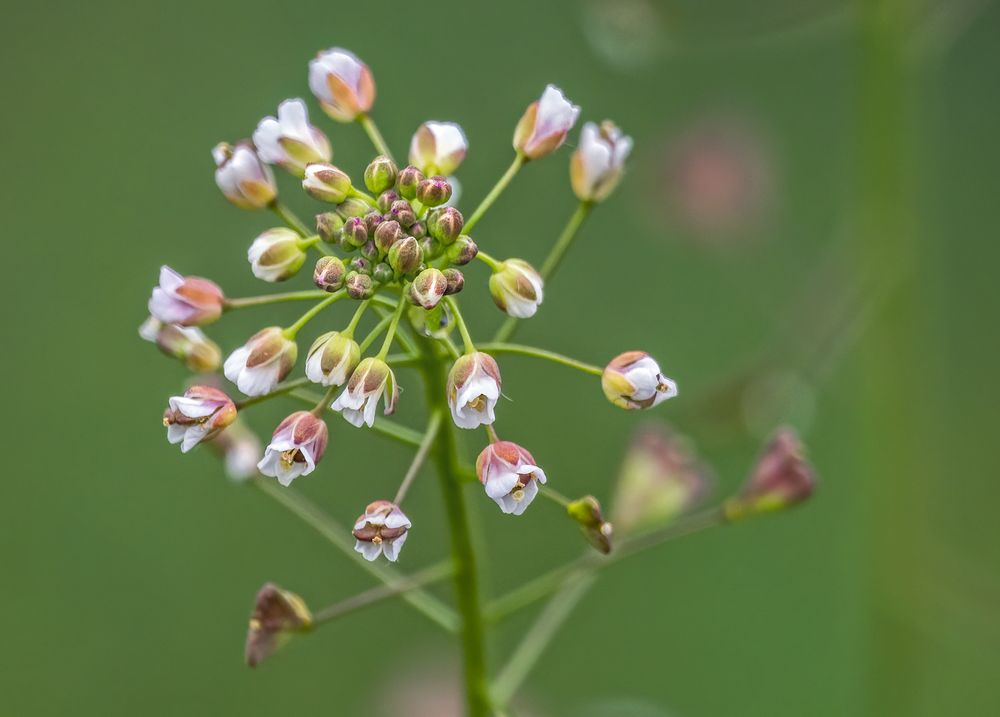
[(374, 135), (289, 218), (497, 190), (503, 348)]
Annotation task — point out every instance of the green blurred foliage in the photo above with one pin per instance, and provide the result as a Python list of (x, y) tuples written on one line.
[(129, 570)]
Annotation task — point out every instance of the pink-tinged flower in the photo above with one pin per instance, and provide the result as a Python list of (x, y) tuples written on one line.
[(359, 401), (240, 450), (276, 614), (517, 289), (186, 343), (633, 381), (382, 529), (780, 479), (296, 447), (342, 83), (276, 254), (510, 476), (332, 358), (290, 141), (185, 300), (199, 415), (243, 178), (545, 124), (438, 147), (597, 164), (473, 389), (262, 362)]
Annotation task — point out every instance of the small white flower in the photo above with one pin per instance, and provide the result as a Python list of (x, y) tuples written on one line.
[(633, 380), (259, 365), (359, 401), (290, 141), (296, 447), (243, 178), (342, 83), (545, 124), (597, 164), (438, 147), (199, 415), (276, 254), (185, 300), (510, 476), (381, 530), (473, 389), (332, 358), (517, 289)]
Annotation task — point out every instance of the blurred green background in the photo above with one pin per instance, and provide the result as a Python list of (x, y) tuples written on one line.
[(807, 234)]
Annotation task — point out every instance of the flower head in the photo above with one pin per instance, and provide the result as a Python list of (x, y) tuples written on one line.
[(517, 288), (342, 83), (780, 479), (290, 141), (510, 476), (597, 164), (185, 300), (262, 362), (332, 358), (187, 343), (276, 254), (545, 124), (199, 415), (633, 381), (438, 147), (473, 389), (296, 447), (370, 380), (243, 178), (276, 613), (381, 529)]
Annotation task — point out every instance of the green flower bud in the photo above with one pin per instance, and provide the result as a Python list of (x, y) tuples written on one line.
[(433, 192), (355, 232), (402, 212), (455, 279), (329, 273), (405, 256), (361, 265), (587, 513), (387, 234), (408, 180), (326, 183), (428, 288), (359, 286), (382, 273), (386, 198), (446, 224), (369, 250), (432, 248), (380, 174), (462, 251), (352, 207), (328, 226)]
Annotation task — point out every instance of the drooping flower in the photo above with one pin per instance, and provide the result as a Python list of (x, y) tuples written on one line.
[(517, 289), (587, 513), (276, 254), (597, 164), (545, 124), (332, 358), (780, 479), (438, 147), (342, 83), (359, 401), (199, 415), (186, 343), (276, 614), (259, 365), (296, 446), (243, 178), (473, 389), (633, 381), (185, 300), (290, 141), (381, 529), (510, 476)]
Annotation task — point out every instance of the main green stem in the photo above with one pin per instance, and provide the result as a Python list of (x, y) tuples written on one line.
[(444, 452)]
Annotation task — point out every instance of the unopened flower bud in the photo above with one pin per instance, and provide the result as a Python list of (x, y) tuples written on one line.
[(297, 445), (370, 380), (326, 183), (438, 147), (633, 381), (418, 230), (436, 323), (243, 178), (290, 141), (545, 124), (386, 198), (387, 234), (329, 273), (329, 226), (276, 254), (431, 248), (342, 83), (473, 388), (262, 363), (780, 479), (381, 530), (380, 175), (405, 256), (355, 232), (362, 265), (510, 476), (434, 192), (516, 288), (455, 279), (372, 220), (185, 300), (370, 250), (332, 358), (428, 288), (186, 343), (446, 224), (382, 273), (352, 207), (402, 212), (408, 180), (586, 511), (199, 415), (359, 286), (597, 164), (276, 614), (462, 251)]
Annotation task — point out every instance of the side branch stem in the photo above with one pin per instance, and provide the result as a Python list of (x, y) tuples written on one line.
[(374, 135), (497, 190), (288, 217), (505, 348)]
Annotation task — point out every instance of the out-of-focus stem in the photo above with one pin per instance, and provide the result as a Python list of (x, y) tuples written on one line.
[(374, 135), (289, 218), (418, 460), (427, 576)]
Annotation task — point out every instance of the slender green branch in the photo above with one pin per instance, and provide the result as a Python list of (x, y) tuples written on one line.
[(427, 576), (462, 328), (248, 301), (289, 218), (401, 360), (366, 198), (374, 135), (359, 312), (340, 537), (294, 329), (390, 333), (497, 190), (382, 425), (401, 338), (503, 348), (554, 495), (282, 389), (490, 261), (375, 333), (418, 460)]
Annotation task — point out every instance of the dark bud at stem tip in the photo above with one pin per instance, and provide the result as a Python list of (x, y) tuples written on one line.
[(387, 234), (456, 281), (446, 224), (361, 265), (328, 226), (359, 286), (382, 273), (780, 479), (380, 175), (408, 180), (385, 200), (462, 251), (329, 273), (402, 212), (355, 232), (433, 192)]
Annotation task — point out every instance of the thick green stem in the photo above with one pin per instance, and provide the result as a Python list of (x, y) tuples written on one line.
[(466, 580), (497, 190)]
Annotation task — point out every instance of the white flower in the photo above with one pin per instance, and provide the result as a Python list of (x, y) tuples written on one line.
[(332, 358), (382, 529), (510, 476), (296, 447), (243, 178), (276, 254), (290, 141), (199, 415), (259, 365), (633, 380), (545, 124), (473, 389), (438, 147), (359, 401), (597, 164), (185, 300), (517, 288), (342, 83), (187, 343)]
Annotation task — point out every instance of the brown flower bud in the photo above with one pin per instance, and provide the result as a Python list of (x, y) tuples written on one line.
[(329, 273), (405, 256), (462, 251), (418, 230), (386, 198), (276, 613), (428, 288), (359, 286), (446, 224), (387, 234), (455, 279), (372, 220), (433, 192), (408, 180), (352, 207), (380, 174), (402, 212), (355, 232), (780, 479), (328, 226)]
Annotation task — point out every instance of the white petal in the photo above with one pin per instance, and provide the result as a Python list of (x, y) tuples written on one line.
[(235, 364), (175, 432), (369, 550), (500, 483), (530, 491), (259, 380), (193, 437), (391, 548)]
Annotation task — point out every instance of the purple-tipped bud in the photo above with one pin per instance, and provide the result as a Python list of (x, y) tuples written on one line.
[(381, 530), (243, 178), (380, 175), (418, 230), (405, 256), (516, 288), (329, 226), (446, 224), (359, 286), (372, 220), (633, 381), (455, 279), (428, 288), (199, 415), (586, 511), (276, 614), (382, 273), (386, 198), (186, 343), (433, 192), (387, 234), (362, 265), (262, 362), (326, 183), (462, 251), (402, 212), (329, 273), (408, 180), (545, 124), (473, 388), (780, 479), (510, 476), (355, 232)]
